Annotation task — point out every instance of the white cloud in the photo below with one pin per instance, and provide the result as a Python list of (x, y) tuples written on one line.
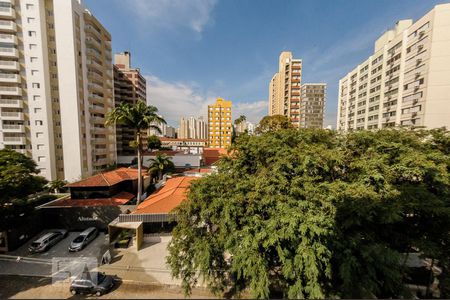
[(254, 111), (175, 100), (172, 14)]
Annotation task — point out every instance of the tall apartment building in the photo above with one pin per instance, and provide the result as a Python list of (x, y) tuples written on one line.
[(166, 131), (284, 88), (193, 128), (129, 87), (219, 124), (312, 105), (406, 82), (55, 86)]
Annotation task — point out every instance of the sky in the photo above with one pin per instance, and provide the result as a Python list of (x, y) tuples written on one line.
[(193, 51)]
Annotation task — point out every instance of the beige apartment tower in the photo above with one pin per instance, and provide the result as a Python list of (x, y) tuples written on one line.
[(312, 105), (219, 124), (285, 88), (56, 86), (129, 87), (406, 82)]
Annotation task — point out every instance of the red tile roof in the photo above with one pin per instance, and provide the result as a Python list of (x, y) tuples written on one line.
[(119, 199), (107, 178), (167, 198), (166, 152), (199, 170), (211, 155)]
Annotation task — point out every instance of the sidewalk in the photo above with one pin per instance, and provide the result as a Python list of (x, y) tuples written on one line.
[(147, 265)]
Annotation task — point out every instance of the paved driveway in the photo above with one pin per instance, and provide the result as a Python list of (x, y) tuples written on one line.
[(21, 262)]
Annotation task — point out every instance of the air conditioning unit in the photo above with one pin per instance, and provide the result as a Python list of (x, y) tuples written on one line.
[(421, 33), (417, 74), (413, 114), (418, 61)]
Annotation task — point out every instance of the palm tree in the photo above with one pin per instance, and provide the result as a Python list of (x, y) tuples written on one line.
[(239, 120), (56, 185), (139, 117), (160, 164)]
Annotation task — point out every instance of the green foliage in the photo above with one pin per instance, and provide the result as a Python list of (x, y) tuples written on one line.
[(138, 117), (239, 120), (161, 165), (56, 185), (273, 123), (153, 142), (314, 214), (18, 176)]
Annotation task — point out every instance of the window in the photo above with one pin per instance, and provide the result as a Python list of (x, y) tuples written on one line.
[(38, 123), (34, 72), (30, 6), (40, 147), (37, 110), (36, 85), (36, 98), (30, 20), (41, 158), (32, 33), (32, 46), (33, 59)]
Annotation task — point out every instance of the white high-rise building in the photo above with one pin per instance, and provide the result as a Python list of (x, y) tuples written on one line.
[(406, 82), (193, 128), (56, 86)]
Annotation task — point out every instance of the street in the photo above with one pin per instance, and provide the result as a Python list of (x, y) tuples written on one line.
[(23, 287)]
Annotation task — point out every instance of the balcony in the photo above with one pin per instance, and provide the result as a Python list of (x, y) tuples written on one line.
[(95, 86), (9, 65), (12, 115), (95, 64), (96, 108), (93, 52), (9, 52), (12, 103), (7, 12), (95, 75), (13, 128), (10, 91), (8, 38), (10, 78), (8, 26), (14, 140), (93, 41)]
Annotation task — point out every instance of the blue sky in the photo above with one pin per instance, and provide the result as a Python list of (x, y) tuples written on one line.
[(192, 51)]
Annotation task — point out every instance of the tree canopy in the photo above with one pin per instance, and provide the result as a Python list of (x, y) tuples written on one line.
[(273, 123), (18, 176), (315, 214), (153, 142)]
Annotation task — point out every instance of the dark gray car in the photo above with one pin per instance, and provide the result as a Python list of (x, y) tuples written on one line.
[(83, 239), (92, 283)]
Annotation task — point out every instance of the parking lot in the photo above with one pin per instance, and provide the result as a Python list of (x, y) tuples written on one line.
[(21, 262), (94, 249)]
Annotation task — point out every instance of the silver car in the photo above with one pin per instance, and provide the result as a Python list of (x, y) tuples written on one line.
[(47, 240), (83, 239)]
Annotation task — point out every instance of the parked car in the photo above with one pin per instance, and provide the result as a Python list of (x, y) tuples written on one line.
[(92, 283), (83, 239), (47, 240)]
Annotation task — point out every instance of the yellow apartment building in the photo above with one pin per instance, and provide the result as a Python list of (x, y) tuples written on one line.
[(219, 124)]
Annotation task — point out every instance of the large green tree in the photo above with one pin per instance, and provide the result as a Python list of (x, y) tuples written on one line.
[(153, 142), (314, 214), (273, 123), (18, 176), (139, 117)]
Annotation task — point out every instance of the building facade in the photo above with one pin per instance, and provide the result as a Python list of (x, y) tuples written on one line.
[(129, 87), (193, 146), (312, 105), (219, 124), (56, 86), (406, 82), (166, 131), (193, 128), (285, 88)]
